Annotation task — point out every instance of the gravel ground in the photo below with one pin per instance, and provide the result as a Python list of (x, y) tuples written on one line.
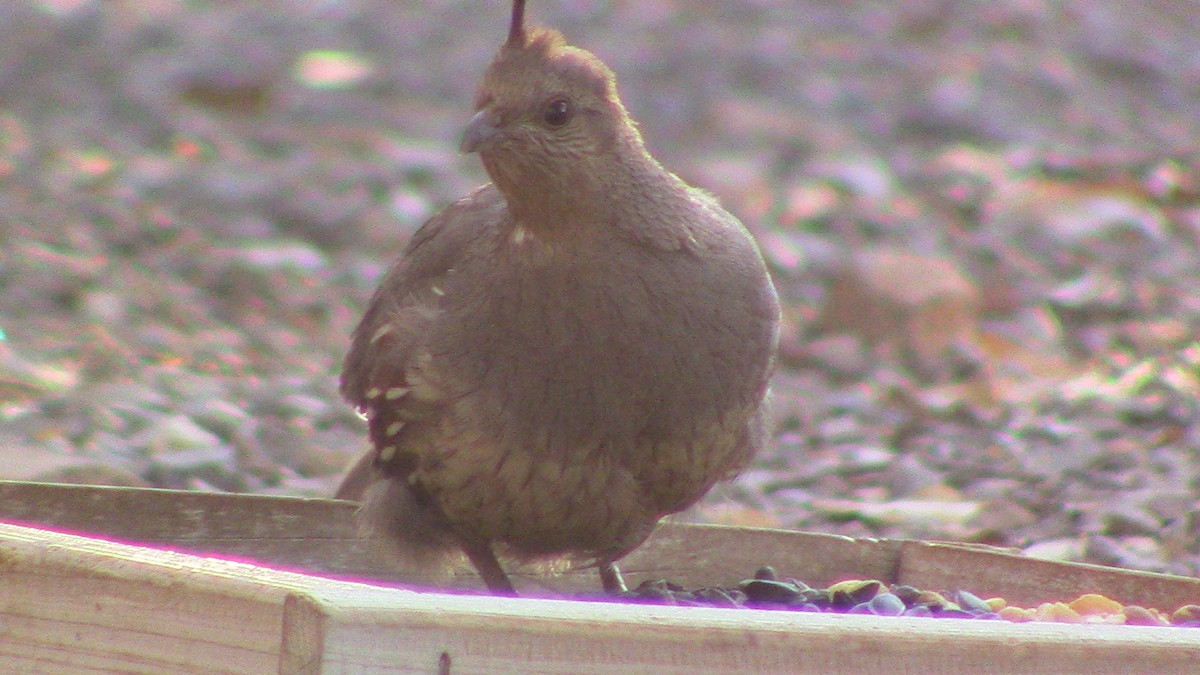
[(983, 217)]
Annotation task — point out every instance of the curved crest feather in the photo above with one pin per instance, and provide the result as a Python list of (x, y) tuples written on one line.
[(516, 30)]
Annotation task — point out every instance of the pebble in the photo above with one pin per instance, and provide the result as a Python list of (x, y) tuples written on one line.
[(839, 429), (219, 416), (177, 443), (862, 176), (1106, 215), (884, 604), (866, 458), (840, 354), (1064, 550), (971, 602), (281, 255), (906, 475), (758, 591), (867, 596)]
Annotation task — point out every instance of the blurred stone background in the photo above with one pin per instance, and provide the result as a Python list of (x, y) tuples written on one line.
[(983, 217)]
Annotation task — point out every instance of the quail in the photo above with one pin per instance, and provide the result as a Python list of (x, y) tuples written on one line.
[(567, 354)]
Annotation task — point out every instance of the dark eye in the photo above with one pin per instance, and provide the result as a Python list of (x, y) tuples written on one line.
[(557, 112)]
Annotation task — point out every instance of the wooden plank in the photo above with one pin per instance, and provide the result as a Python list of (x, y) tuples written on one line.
[(1029, 582), (351, 630), (73, 604), (318, 536), (708, 555)]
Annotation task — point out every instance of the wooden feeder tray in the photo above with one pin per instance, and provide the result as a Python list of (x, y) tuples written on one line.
[(211, 583)]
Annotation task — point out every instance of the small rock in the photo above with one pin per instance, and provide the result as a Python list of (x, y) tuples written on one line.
[(1003, 517), (906, 475), (1123, 520), (840, 354), (1064, 550), (885, 604), (93, 474), (179, 444), (971, 602), (301, 405), (1136, 615), (1105, 215), (280, 255), (769, 591), (217, 415), (863, 459), (839, 429), (104, 306), (861, 176), (1094, 292), (921, 304)]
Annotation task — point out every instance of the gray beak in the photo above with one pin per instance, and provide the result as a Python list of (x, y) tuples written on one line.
[(482, 127)]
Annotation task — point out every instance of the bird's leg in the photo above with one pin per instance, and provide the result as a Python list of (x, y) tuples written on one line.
[(484, 560), (611, 578)]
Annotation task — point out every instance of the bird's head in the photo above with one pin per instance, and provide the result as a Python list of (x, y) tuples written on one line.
[(548, 117)]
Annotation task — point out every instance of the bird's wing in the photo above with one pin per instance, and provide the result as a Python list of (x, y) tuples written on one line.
[(389, 373)]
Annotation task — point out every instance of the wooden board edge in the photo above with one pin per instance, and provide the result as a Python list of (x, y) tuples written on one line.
[(1025, 581), (317, 536), (325, 625), (369, 631)]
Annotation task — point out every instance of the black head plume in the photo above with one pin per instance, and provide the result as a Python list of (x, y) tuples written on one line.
[(516, 30)]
